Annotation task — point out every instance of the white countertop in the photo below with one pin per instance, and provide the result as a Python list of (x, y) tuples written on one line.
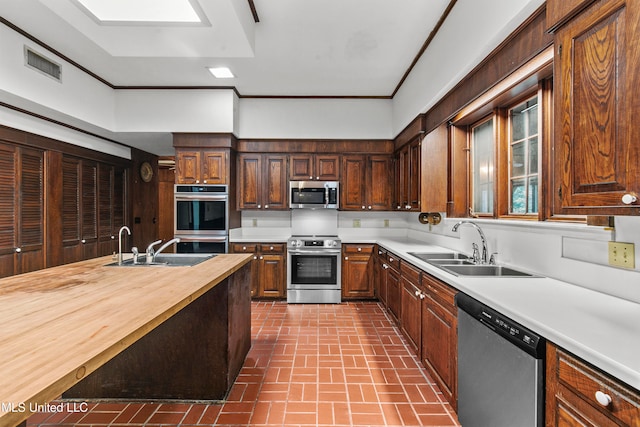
[(602, 329)]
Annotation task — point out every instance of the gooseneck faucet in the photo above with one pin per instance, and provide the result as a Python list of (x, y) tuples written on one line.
[(485, 250), (123, 228)]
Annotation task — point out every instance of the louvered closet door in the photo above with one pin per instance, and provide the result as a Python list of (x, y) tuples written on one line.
[(71, 209), (105, 213), (89, 213), (31, 211), (7, 210)]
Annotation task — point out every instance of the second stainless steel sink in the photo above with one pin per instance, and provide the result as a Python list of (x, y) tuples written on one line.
[(484, 270), (432, 256), (166, 260)]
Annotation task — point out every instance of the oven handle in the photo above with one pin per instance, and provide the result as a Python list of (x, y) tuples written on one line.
[(192, 238), (311, 252), (183, 196)]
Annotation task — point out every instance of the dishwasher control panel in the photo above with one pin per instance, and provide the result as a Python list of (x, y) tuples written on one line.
[(502, 325)]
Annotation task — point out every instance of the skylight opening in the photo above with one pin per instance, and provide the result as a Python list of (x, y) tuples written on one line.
[(221, 72), (143, 11)]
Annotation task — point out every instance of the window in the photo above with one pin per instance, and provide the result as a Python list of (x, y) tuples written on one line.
[(523, 158), (482, 154)]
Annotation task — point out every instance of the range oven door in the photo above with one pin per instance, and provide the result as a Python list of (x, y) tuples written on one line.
[(201, 214), (314, 277), (203, 245)]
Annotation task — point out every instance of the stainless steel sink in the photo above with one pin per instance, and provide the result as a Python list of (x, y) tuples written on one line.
[(166, 260), (484, 271), (439, 262), (430, 256)]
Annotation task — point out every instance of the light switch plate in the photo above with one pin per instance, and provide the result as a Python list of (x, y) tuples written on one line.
[(356, 223), (386, 223), (622, 254)]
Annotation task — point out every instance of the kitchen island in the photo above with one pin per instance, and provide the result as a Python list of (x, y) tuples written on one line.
[(60, 325)]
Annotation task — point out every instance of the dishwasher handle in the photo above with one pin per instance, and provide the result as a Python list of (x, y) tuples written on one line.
[(519, 335)]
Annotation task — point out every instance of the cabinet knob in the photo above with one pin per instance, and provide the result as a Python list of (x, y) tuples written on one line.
[(629, 199), (197, 181), (244, 248), (113, 237), (259, 206), (346, 258), (422, 296), (369, 207), (255, 257), (271, 248), (18, 250), (417, 293), (359, 249), (363, 207), (385, 266), (317, 177), (390, 259), (266, 206), (310, 177), (83, 241), (603, 398), (261, 257)]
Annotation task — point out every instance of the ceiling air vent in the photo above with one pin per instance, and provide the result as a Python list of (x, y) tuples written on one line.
[(44, 65)]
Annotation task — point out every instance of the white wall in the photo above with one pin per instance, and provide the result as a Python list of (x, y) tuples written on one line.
[(464, 40), (315, 118)]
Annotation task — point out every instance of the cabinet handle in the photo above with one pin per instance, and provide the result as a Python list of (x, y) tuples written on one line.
[(385, 266), (603, 398), (628, 199), (18, 250)]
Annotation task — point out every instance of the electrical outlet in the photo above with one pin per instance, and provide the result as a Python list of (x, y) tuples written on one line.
[(356, 223), (622, 254), (255, 222), (386, 223)]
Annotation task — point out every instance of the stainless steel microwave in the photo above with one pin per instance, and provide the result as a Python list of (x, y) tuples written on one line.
[(314, 194)]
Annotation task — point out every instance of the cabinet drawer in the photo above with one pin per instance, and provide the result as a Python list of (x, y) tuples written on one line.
[(586, 381), (357, 249), (393, 261), (272, 248), (239, 248), (439, 292), (410, 273)]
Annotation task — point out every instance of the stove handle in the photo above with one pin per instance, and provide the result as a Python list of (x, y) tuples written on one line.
[(311, 252)]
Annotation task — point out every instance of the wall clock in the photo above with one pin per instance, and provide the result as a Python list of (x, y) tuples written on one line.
[(146, 171)]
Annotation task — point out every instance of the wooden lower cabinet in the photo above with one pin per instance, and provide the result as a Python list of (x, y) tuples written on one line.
[(439, 345), (268, 268), (357, 265), (572, 390), (380, 275), (411, 306), (394, 295)]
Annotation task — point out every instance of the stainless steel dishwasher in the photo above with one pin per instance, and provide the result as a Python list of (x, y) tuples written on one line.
[(500, 369)]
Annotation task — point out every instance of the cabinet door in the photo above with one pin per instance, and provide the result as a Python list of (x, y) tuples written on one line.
[(353, 183), (414, 174), (378, 184), (214, 167), (356, 272), (188, 165), (393, 292), (380, 276), (402, 179), (272, 276), (275, 179), (327, 167), (411, 309), (597, 159), (301, 167), (106, 220), (89, 206), (8, 210), (434, 172), (250, 248), (249, 181)]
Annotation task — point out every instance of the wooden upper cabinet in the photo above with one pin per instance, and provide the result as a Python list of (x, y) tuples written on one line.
[(21, 210), (408, 177), (262, 181), (435, 170), (596, 87), (366, 183), (305, 167), (201, 166), (560, 11)]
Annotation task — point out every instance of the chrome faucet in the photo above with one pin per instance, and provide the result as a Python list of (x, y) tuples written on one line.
[(165, 246), (123, 228), (485, 250), (150, 252)]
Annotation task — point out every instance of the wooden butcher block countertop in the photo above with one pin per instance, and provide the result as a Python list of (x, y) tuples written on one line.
[(59, 324)]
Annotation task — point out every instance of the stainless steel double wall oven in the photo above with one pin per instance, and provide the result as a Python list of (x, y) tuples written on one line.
[(201, 218)]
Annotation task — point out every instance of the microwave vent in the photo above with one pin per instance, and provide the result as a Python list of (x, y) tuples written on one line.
[(42, 64)]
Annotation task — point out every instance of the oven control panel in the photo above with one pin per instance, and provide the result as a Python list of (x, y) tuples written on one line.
[(314, 243)]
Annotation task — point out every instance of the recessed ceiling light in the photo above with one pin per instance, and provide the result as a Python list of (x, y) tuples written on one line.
[(221, 72), (176, 11)]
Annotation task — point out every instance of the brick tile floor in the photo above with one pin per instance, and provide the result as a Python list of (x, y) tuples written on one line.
[(309, 365)]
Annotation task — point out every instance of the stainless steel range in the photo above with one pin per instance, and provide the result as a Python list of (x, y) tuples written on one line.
[(314, 270)]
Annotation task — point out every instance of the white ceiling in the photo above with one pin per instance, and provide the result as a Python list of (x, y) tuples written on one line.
[(298, 47)]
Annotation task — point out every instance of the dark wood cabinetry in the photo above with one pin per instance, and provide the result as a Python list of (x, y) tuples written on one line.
[(408, 182), (262, 181), (366, 182), (201, 166), (596, 81), (577, 394), (268, 268), (439, 346), (21, 210), (111, 206), (391, 265), (357, 268), (304, 167), (411, 305)]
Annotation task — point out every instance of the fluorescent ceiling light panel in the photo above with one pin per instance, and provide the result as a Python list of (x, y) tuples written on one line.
[(221, 72), (179, 11)]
